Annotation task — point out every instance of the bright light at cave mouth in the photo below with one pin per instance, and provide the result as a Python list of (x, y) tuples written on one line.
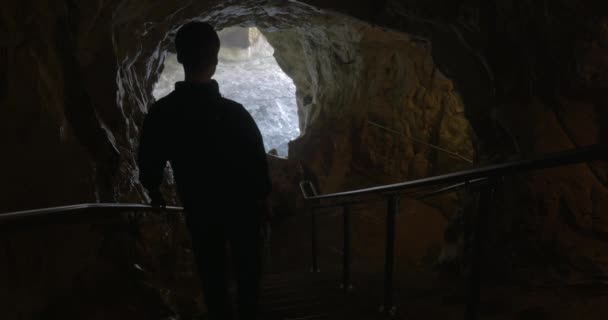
[(248, 73)]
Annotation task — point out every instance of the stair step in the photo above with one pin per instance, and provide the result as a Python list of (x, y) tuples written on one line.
[(287, 283), (300, 311), (312, 317), (290, 300), (313, 296), (288, 291)]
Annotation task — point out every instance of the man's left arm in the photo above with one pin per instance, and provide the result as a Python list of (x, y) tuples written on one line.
[(256, 155), (256, 162), (150, 159)]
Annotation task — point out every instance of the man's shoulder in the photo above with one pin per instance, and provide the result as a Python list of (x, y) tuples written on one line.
[(163, 104), (235, 109), (231, 105)]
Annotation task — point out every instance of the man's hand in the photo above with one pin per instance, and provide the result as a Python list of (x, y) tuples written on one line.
[(157, 199), (265, 209)]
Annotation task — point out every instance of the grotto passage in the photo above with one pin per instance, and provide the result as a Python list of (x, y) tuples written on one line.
[(247, 72), (383, 89)]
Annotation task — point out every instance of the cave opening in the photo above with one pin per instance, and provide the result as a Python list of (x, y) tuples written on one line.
[(249, 74), (372, 107)]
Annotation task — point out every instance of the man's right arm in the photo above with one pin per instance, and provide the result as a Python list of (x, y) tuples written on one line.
[(151, 159), (253, 149)]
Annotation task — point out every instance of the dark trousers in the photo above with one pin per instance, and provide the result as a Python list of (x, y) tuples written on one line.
[(239, 229)]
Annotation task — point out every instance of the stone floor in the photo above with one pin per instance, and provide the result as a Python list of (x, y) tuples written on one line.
[(293, 292)]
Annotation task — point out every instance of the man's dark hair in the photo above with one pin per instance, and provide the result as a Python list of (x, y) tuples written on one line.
[(197, 45)]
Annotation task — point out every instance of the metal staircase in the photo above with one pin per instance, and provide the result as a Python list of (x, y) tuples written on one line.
[(306, 295)]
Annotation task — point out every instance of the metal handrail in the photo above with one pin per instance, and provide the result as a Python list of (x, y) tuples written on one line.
[(573, 156), (462, 179), (393, 191), (418, 194), (45, 212)]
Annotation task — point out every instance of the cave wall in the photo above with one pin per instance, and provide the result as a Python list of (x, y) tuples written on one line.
[(374, 107), (539, 90), (530, 77)]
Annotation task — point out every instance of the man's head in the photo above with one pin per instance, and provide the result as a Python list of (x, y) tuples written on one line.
[(197, 45)]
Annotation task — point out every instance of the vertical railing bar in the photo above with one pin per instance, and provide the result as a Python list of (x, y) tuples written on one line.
[(346, 277), (477, 238), (472, 293), (392, 209), (314, 240)]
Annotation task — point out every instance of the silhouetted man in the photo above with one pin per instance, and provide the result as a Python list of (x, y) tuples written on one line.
[(218, 158)]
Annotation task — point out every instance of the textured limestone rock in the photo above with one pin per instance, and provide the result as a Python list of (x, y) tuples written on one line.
[(379, 94), (375, 110), (237, 37)]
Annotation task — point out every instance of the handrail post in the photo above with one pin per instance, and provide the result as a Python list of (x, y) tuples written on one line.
[(392, 210), (314, 240), (487, 198), (346, 276)]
